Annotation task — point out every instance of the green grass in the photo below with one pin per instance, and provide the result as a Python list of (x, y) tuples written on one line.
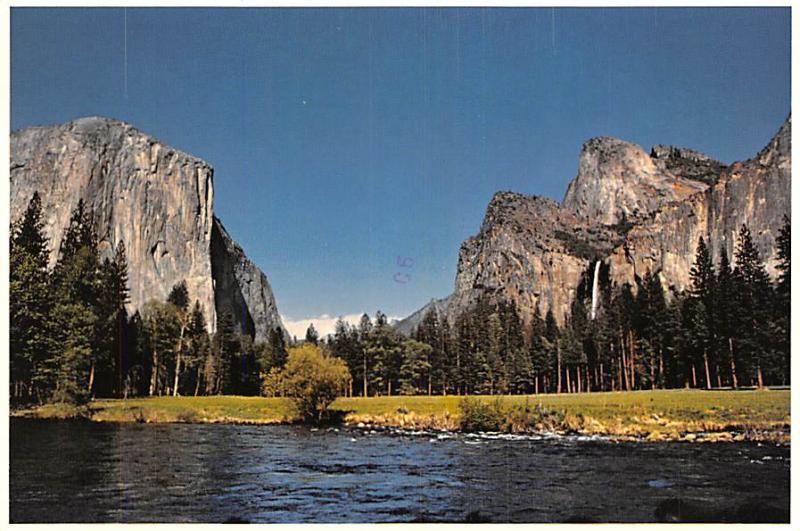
[(658, 414), (179, 409), (678, 404), (200, 409), (383, 405), (661, 413)]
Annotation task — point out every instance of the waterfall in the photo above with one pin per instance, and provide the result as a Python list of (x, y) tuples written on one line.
[(594, 289)]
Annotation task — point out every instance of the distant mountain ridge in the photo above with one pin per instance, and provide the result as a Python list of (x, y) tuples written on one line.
[(156, 199), (635, 212)]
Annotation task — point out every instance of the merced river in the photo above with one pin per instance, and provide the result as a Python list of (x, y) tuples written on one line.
[(73, 471)]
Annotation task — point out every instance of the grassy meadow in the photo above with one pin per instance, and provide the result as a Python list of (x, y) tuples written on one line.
[(655, 415)]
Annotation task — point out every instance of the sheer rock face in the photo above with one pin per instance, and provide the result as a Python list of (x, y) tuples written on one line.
[(634, 212), (617, 181), (524, 252), (756, 192), (156, 199)]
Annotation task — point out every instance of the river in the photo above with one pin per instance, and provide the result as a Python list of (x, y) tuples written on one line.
[(70, 471)]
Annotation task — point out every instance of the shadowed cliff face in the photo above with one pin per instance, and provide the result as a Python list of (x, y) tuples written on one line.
[(635, 212), (241, 288), (156, 199)]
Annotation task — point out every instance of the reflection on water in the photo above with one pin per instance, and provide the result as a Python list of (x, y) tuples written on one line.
[(87, 472)]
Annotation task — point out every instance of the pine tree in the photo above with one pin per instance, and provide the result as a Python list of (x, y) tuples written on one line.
[(539, 352), (277, 353), (161, 326), (117, 283), (701, 334), (364, 330), (515, 361), (551, 336), (340, 341), (783, 304), (577, 335), (104, 363), (429, 332), (727, 317), (80, 232), (443, 358), (311, 334), (384, 346), (247, 378), (702, 275), (197, 346), (697, 335), (226, 345), (220, 369), (137, 372), (785, 257), (466, 346), (77, 289), (110, 358), (30, 307), (344, 345), (29, 233), (752, 286), (671, 343), (179, 296), (414, 367), (621, 312), (520, 371), (493, 348), (652, 316)]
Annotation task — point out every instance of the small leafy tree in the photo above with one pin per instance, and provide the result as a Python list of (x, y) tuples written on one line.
[(312, 380)]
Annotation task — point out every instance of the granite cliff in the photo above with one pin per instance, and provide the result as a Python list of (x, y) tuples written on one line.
[(633, 212), (156, 199)]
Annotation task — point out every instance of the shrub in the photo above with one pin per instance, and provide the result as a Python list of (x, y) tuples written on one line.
[(479, 415), (186, 415), (526, 418), (272, 383)]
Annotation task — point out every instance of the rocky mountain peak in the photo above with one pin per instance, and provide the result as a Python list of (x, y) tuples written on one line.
[(89, 123), (687, 163), (618, 181), (511, 207), (665, 152), (779, 150)]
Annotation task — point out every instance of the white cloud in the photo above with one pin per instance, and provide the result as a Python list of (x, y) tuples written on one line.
[(325, 324)]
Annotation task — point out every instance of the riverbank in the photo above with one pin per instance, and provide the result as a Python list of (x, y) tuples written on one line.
[(690, 415)]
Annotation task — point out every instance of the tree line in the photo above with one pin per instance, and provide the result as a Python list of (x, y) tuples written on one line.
[(72, 338), (730, 328)]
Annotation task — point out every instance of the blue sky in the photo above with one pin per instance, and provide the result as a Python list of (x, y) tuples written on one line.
[(345, 138)]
